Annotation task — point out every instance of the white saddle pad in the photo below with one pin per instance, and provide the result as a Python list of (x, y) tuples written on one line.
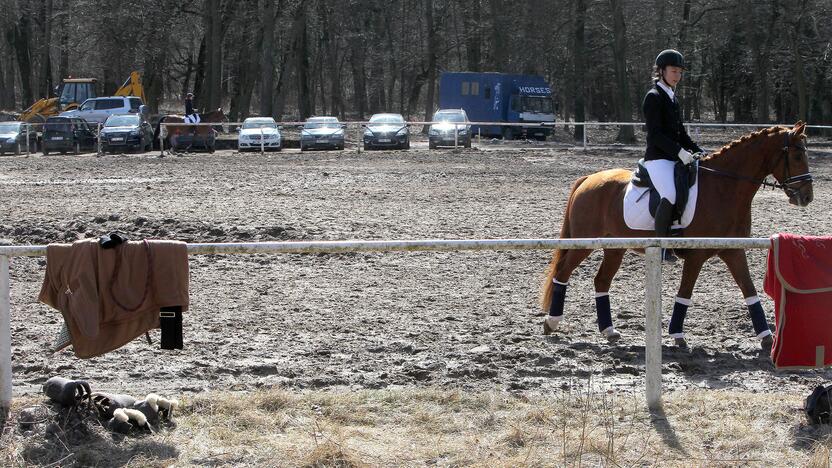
[(637, 208)]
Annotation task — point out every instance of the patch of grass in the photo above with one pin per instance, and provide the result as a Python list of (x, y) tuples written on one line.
[(433, 426)]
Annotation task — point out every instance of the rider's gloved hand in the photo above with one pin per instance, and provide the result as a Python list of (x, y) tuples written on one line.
[(699, 155), (685, 156)]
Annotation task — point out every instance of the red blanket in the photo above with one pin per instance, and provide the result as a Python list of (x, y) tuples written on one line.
[(799, 279)]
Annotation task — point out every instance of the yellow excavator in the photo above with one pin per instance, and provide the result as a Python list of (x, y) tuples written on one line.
[(72, 93)]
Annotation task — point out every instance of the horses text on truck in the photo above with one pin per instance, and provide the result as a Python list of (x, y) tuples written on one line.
[(500, 97)]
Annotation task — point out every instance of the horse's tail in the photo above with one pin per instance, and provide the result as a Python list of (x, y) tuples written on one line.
[(546, 289)]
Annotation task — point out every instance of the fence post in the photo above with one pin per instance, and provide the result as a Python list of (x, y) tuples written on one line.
[(653, 326), (262, 143), (584, 134), (5, 339), (161, 140), (27, 139), (358, 138), (100, 152), (456, 136), (479, 136)]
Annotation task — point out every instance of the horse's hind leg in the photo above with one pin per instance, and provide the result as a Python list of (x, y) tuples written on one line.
[(603, 280), (564, 264), (694, 259), (738, 266)]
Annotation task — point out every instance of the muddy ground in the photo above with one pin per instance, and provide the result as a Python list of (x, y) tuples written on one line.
[(451, 319)]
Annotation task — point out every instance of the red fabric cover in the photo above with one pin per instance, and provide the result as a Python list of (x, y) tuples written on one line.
[(799, 280)]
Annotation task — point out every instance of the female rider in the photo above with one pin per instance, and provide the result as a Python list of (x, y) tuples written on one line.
[(667, 140)]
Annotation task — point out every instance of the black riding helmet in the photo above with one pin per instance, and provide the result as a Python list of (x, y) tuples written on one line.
[(670, 57)]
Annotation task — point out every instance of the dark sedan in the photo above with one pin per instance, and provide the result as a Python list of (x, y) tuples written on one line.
[(322, 133), (386, 131), (67, 134), (13, 137), (125, 132)]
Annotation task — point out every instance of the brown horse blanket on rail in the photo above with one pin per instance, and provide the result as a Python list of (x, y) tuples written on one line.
[(108, 297)]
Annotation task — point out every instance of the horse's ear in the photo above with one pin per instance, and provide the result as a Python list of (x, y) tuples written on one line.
[(799, 127)]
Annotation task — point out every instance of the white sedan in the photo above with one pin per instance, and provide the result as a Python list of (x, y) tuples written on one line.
[(259, 133)]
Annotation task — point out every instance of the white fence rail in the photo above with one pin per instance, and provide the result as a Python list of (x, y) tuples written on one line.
[(31, 129), (652, 247)]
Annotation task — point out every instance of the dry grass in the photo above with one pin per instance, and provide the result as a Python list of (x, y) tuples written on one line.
[(440, 427)]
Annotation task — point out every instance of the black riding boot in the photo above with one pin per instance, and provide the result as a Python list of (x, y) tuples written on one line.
[(664, 219)]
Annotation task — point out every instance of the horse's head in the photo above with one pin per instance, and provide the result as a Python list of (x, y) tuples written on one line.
[(791, 167), (215, 116)]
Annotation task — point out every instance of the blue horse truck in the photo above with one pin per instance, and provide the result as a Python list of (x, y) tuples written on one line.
[(500, 97)]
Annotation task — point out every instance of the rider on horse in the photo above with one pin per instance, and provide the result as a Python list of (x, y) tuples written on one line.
[(190, 114), (667, 140)]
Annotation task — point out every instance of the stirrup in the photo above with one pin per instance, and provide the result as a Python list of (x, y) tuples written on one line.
[(611, 334), (680, 343), (550, 323), (668, 256)]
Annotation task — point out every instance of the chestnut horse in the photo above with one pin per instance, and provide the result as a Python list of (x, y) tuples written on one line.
[(171, 132), (728, 181)]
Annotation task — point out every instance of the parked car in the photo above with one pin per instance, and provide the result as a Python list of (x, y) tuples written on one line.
[(386, 131), (452, 129), (13, 137), (125, 132), (259, 132), (97, 110), (67, 134), (322, 132)]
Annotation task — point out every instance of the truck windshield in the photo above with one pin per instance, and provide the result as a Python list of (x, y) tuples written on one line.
[(537, 104)]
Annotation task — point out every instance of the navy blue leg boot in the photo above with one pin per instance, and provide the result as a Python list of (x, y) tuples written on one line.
[(677, 322), (758, 316), (604, 314), (555, 308)]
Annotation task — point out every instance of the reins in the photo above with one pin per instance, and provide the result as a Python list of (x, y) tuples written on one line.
[(787, 183)]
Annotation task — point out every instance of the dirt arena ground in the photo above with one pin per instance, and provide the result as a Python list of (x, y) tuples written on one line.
[(456, 319)]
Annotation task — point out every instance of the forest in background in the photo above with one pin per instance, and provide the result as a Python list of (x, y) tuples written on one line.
[(748, 60)]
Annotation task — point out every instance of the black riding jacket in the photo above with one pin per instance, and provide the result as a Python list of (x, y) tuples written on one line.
[(189, 106), (665, 133)]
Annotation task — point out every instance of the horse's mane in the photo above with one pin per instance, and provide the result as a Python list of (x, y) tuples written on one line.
[(745, 138)]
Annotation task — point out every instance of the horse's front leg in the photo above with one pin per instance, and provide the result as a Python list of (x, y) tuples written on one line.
[(738, 266), (694, 259)]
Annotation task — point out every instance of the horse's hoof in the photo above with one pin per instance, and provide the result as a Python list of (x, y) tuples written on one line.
[(611, 334), (550, 324), (766, 343), (680, 343)]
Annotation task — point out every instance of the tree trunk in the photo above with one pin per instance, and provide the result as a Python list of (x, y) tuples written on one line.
[(268, 19), (63, 60), (213, 55), (499, 56), (799, 73), (473, 36), (45, 85), (301, 49), (623, 104), (431, 62), (578, 62)]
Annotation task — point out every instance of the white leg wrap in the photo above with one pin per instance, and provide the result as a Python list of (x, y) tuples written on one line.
[(752, 300), (683, 301)]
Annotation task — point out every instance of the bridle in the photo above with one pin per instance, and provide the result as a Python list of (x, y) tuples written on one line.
[(790, 185)]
